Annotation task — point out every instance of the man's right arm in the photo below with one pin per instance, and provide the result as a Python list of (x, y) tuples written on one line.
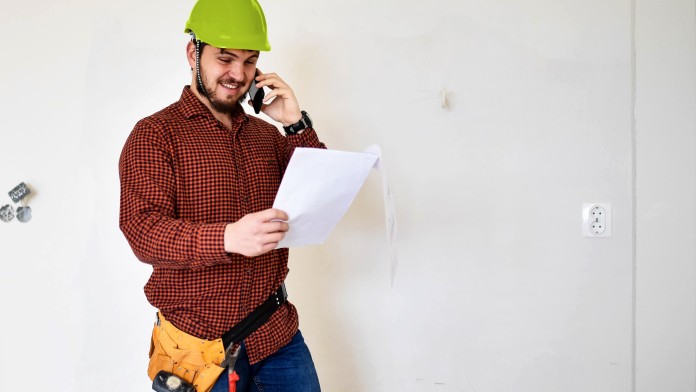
[(148, 212), (148, 207)]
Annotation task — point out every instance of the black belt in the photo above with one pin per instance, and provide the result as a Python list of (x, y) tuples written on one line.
[(256, 318)]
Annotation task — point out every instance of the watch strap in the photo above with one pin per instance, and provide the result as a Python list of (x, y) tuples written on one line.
[(304, 123)]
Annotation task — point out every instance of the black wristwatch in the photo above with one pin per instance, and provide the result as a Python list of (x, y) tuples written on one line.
[(304, 123)]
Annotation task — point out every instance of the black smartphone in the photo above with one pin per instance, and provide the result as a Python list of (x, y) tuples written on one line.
[(256, 95)]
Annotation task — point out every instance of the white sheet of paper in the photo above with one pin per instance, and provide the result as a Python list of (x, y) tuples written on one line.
[(316, 191), (389, 211)]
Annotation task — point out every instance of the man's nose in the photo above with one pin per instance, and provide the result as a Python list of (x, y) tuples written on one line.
[(236, 71)]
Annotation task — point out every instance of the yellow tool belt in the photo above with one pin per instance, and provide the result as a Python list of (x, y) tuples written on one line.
[(194, 359)]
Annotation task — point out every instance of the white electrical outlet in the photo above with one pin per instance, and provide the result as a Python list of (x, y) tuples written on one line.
[(596, 220)]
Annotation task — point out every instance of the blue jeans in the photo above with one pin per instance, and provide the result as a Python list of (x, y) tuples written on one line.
[(290, 369)]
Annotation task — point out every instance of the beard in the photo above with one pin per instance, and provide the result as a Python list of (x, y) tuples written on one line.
[(224, 105)]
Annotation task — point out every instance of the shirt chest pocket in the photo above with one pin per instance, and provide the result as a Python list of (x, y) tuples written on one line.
[(263, 176)]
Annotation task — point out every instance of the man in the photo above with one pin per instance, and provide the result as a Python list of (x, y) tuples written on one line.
[(198, 180)]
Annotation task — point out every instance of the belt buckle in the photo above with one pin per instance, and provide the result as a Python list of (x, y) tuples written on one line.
[(283, 291)]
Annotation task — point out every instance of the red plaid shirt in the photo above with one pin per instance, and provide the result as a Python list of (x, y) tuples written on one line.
[(184, 176)]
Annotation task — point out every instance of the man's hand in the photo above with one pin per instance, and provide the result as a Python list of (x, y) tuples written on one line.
[(284, 108), (256, 234)]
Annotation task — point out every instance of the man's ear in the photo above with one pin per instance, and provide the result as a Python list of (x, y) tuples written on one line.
[(191, 54)]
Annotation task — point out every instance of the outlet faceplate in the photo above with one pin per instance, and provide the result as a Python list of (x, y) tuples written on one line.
[(596, 220)]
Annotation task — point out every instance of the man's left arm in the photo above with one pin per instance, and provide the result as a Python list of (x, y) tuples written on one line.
[(286, 110)]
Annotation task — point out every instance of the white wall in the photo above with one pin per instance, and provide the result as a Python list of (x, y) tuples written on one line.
[(496, 289), (666, 196)]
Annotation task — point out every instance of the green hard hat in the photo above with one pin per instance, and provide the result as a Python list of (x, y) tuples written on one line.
[(230, 24)]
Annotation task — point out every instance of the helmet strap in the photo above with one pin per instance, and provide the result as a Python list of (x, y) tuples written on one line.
[(201, 86)]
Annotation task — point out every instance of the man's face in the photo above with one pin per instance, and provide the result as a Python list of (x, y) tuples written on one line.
[(227, 75)]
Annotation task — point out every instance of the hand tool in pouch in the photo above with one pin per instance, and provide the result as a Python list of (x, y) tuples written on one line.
[(168, 382), (231, 355)]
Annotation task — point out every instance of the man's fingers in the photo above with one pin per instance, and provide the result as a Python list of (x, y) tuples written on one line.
[(269, 247), (271, 81), (256, 233), (275, 227), (274, 238), (273, 214), (268, 97)]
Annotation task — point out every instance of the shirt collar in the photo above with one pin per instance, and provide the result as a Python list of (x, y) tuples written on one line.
[(191, 106)]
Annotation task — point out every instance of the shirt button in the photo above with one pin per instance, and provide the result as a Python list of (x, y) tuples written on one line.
[(248, 272)]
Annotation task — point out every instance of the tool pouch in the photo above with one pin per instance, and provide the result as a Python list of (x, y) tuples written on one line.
[(195, 360)]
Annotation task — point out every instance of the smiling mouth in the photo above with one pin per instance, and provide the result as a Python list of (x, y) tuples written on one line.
[(231, 86)]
